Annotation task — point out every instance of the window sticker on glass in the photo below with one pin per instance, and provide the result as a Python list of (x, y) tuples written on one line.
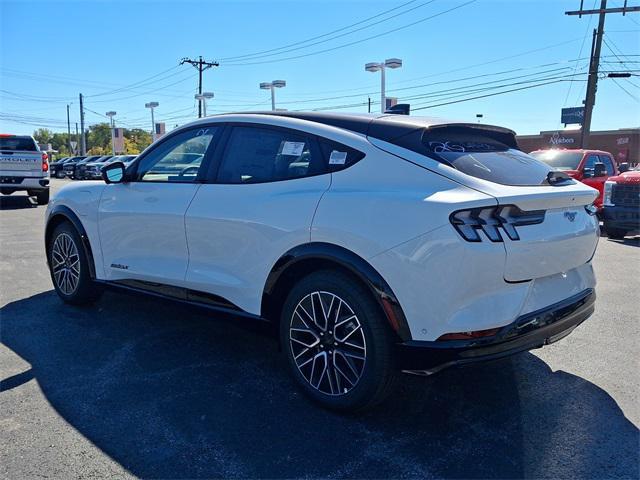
[(292, 148), (337, 158)]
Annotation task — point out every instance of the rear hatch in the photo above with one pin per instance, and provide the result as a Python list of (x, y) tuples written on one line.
[(543, 216), (19, 156)]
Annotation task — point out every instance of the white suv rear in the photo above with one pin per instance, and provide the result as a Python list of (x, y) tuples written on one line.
[(374, 243), (23, 167)]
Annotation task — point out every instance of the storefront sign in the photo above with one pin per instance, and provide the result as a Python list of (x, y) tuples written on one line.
[(557, 139)]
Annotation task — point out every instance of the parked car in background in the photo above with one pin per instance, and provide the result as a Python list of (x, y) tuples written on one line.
[(23, 167), (56, 168), (70, 165), (591, 167), (81, 166), (91, 170), (622, 204), (373, 243)]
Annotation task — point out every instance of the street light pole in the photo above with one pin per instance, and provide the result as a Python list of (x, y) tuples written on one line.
[(272, 86), (202, 100), (382, 66), (151, 106), (113, 145)]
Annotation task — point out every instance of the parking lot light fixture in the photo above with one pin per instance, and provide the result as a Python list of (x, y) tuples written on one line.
[(272, 86), (382, 66), (203, 97), (112, 114), (151, 106)]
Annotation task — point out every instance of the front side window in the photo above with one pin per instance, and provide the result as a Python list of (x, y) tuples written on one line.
[(257, 155), (608, 163), (178, 158)]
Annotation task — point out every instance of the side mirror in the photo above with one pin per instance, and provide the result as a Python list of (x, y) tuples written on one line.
[(623, 167), (599, 170), (113, 172)]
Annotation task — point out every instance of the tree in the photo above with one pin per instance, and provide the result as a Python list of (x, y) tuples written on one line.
[(43, 135)]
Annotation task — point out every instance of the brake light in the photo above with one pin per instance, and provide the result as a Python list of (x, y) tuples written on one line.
[(469, 335), (490, 220), (45, 163)]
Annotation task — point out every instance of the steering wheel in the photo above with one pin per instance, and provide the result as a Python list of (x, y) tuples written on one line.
[(186, 170)]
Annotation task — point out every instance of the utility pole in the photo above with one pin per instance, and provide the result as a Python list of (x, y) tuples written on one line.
[(369, 105), (77, 139), (68, 129), (594, 63), (201, 65), (83, 143)]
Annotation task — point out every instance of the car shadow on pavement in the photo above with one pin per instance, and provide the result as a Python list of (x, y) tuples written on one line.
[(627, 241), (15, 202), (171, 393)]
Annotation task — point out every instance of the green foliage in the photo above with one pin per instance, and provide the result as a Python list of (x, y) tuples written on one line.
[(43, 135), (98, 140)]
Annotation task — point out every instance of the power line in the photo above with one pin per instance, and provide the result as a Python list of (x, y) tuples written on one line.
[(318, 52), (253, 57), (496, 93), (318, 36)]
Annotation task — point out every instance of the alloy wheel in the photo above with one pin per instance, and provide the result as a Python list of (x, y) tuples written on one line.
[(328, 343), (65, 264)]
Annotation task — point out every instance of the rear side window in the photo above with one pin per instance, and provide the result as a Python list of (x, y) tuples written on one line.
[(338, 156), (18, 143), (258, 155), (486, 158)]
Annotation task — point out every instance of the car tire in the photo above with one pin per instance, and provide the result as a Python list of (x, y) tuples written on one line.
[(42, 197), (615, 233), (59, 174), (69, 267), (355, 359)]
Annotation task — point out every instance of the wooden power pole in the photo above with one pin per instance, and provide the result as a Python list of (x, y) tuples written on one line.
[(594, 63), (201, 66)]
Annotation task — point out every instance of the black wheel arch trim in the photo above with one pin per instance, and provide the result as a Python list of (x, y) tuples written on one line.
[(354, 264), (69, 215)]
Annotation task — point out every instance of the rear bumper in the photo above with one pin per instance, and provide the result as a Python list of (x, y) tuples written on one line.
[(17, 183), (529, 331), (625, 218)]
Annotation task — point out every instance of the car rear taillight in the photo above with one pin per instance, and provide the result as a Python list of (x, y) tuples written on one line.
[(491, 220), (45, 162), (468, 335)]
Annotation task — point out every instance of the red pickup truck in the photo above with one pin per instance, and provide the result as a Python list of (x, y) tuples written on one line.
[(592, 167), (622, 204)]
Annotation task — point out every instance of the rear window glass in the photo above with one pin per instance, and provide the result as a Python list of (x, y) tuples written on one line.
[(485, 158), (18, 143), (560, 160)]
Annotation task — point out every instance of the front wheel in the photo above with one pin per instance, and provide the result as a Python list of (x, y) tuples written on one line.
[(338, 344), (69, 267)]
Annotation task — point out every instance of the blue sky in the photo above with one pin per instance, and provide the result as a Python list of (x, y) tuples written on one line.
[(114, 53)]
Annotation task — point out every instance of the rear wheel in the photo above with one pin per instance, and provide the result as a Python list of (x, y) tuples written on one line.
[(42, 197), (69, 267), (615, 233), (337, 342)]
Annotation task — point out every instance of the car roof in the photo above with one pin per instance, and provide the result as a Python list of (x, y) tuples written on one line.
[(382, 126)]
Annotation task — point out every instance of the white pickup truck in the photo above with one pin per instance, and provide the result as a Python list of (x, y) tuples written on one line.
[(23, 167)]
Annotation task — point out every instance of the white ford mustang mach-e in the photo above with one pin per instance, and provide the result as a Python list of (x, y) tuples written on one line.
[(375, 244)]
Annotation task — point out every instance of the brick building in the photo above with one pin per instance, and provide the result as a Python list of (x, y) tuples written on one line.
[(623, 144)]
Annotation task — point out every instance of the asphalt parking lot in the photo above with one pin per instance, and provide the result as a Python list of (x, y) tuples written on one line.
[(140, 387)]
